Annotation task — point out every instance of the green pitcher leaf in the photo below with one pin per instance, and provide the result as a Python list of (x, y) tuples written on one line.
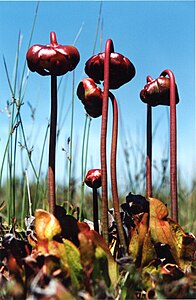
[(148, 251), (72, 258), (101, 266)]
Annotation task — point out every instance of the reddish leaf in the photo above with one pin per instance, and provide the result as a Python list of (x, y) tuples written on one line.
[(160, 228), (137, 240), (92, 247)]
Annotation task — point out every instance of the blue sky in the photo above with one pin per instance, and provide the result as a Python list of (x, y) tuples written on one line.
[(154, 35)]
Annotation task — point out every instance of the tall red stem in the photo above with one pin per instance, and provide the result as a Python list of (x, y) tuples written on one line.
[(95, 210), (149, 152), (52, 142), (149, 148), (108, 49), (114, 177), (173, 146), (52, 145)]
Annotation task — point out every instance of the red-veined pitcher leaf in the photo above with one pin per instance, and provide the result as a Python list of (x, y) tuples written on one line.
[(46, 225), (137, 240), (96, 238), (92, 244), (87, 249), (160, 228)]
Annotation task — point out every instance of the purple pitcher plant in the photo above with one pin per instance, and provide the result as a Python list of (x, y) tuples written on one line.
[(162, 91), (53, 60), (114, 70)]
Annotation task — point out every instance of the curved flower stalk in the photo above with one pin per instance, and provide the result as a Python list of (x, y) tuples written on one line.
[(115, 70), (114, 177), (163, 91), (93, 180), (173, 144), (54, 60)]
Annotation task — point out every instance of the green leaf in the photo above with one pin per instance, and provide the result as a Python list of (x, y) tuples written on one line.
[(72, 258), (148, 251)]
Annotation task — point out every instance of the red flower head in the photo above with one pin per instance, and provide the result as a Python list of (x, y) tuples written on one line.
[(91, 96), (52, 59), (121, 69), (157, 91), (93, 178)]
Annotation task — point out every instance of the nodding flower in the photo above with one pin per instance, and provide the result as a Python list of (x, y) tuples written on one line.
[(91, 96), (93, 178), (157, 91), (121, 69), (52, 59)]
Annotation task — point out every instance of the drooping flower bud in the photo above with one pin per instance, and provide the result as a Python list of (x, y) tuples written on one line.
[(121, 69), (91, 97), (157, 91), (93, 178), (52, 59)]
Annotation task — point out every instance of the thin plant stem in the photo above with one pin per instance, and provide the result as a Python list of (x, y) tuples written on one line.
[(13, 156), (82, 169), (84, 164), (78, 34), (52, 145), (95, 210), (87, 143), (14, 173), (114, 177), (23, 201), (26, 147), (37, 200), (97, 28), (12, 146), (29, 194), (71, 144), (18, 120), (29, 43), (125, 149), (173, 146), (108, 49)]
